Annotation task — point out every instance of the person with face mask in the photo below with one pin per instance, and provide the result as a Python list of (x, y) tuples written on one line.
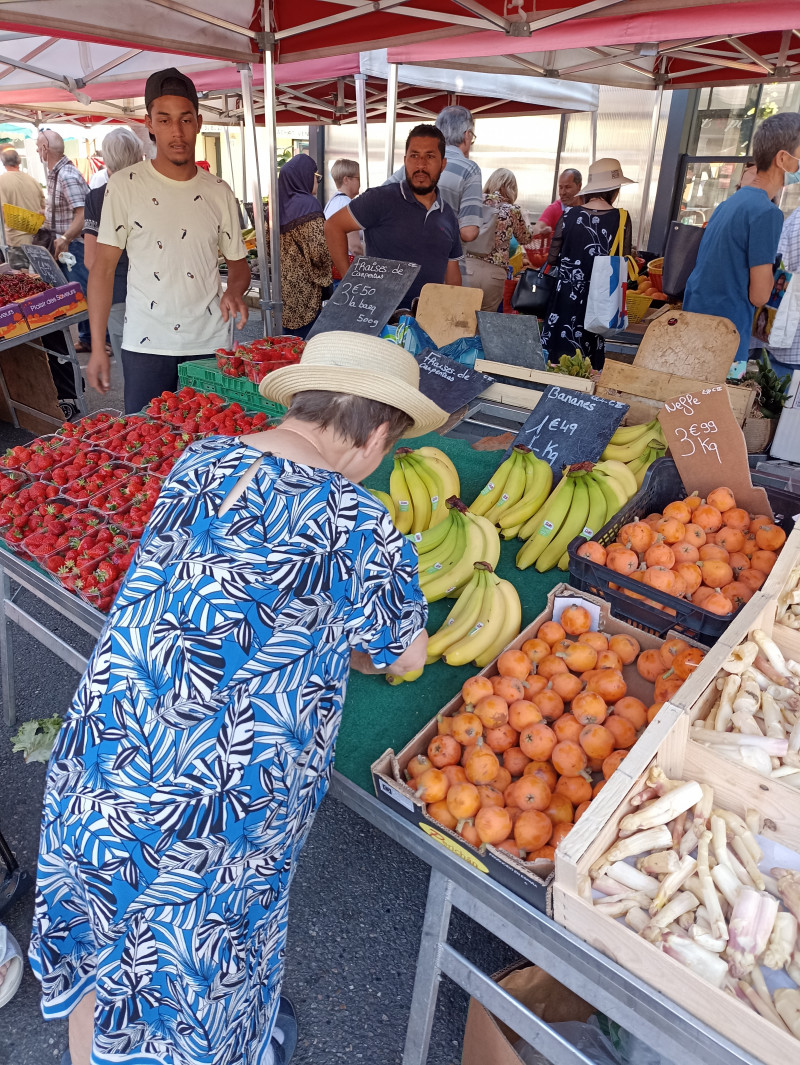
[(406, 220), (743, 234)]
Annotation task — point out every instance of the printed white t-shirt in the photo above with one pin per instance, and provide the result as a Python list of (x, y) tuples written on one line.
[(173, 232)]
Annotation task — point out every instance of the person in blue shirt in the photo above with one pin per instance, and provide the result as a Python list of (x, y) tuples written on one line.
[(734, 270), (407, 220)]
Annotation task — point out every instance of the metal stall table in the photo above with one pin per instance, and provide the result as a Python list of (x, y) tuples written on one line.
[(453, 884)]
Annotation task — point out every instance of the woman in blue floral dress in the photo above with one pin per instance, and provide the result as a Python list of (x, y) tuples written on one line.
[(200, 741)]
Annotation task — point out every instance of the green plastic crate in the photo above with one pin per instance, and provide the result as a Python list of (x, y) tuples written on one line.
[(205, 377)]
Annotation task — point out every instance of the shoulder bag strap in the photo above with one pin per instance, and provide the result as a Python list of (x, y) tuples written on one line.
[(53, 204), (617, 246)]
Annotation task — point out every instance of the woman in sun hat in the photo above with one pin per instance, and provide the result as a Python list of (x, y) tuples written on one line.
[(200, 741), (582, 233)]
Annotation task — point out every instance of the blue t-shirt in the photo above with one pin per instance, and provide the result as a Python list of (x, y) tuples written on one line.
[(743, 232), (397, 226)]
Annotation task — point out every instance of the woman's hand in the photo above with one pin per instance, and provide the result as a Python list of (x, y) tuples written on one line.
[(362, 663), (411, 659)]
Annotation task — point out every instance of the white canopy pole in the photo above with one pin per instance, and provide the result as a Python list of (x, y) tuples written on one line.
[(255, 194), (593, 137), (391, 117), (361, 115), (648, 171), (270, 125)]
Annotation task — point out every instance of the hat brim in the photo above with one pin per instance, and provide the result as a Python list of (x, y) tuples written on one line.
[(281, 385), (606, 186)]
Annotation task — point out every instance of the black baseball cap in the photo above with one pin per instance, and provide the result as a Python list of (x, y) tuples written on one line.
[(169, 82)]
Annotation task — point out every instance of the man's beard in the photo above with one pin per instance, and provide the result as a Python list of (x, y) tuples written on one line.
[(422, 191)]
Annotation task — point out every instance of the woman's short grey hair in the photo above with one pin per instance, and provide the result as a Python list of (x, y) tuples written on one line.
[(351, 418), (121, 149), (775, 134), (455, 122), (503, 181)]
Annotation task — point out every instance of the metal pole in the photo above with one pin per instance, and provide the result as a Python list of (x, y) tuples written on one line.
[(243, 145), (648, 171), (270, 119), (361, 114), (255, 186), (391, 117), (562, 140)]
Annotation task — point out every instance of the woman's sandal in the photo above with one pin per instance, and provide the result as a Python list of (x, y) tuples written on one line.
[(283, 1045)]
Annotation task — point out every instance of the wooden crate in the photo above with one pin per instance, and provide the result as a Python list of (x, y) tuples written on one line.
[(572, 905), (780, 578), (537, 377)]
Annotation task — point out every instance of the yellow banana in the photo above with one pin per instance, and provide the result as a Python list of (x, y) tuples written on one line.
[(624, 434), (511, 609), (538, 484), (420, 500), (555, 512), (433, 486), (574, 522), (618, 470), (451, 577), (615, 497), (598, 509), (491, 539), (511, 533), (405, 678), (534, 523), (461, 618), (447, 470), (489, 495), (513, 488), (398, 490), (386, 499), (483, 633), (447, 553), (433, 537)]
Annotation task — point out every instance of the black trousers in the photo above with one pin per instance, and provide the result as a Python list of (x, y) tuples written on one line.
[(147, 376)]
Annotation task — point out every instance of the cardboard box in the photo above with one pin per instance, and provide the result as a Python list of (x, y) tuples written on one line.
[(12, 321), (55, 303)]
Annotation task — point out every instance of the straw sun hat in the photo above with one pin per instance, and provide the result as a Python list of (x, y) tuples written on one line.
[(361, 366), (604, 175)]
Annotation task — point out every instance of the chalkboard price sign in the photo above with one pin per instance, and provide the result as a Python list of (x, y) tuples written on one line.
[(567, 427), (44, 265), (449, 384), (365, 299)]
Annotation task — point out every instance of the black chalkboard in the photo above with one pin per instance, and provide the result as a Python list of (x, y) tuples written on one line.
[(44, 265), (449, 384), (365, 299), (511, 338), (567, 426)]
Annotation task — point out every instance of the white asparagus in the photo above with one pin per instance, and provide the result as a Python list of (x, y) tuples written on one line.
[(769, 744), (632, 878), (792, 778), (741, 657), (741, 873), (787, 1003), (615, 907), (766, 1009), (686, 920), (746, 723), (643, 796), (793, 966), (701, 934), (662, 810), (781, 941), (761, 679), (689, 841), (680, 904), (748, 698), (794, 738), (789, 889), (703, 962), (730, 688), (693, 884), (710, 898), (672, 883), (677, 828), (607, 886), (727, 882), (770, 650), (719, 840), (659, 780), (792, 758), (737, 826), (702, 810), (658, 863), (637, 919), (740, 847), (750, 927), (783, 695), (649, 840), (773, 719), (752, 818)]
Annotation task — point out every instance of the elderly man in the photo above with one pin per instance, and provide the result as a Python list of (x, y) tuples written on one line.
[(20, 190), (570, 183), (407, 220), (66, 196)]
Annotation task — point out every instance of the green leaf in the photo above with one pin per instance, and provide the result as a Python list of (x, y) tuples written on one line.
[(35, 739)]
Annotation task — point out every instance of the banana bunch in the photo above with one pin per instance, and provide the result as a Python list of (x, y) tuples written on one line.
[(449, 551), (582, 502), (485, 618), (388, 502), (419, 484), (637, 446), (517, 489)]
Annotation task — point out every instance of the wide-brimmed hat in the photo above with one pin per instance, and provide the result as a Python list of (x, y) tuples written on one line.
[(604, 175), (359, 365)]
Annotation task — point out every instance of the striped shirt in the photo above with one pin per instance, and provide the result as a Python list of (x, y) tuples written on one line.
[(460, 185), (789, 252), (70, 193)]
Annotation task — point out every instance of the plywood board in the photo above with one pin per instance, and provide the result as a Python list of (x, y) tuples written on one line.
[(28, 379), (694, 345), (655, 384), (448, 312), (539, 377)]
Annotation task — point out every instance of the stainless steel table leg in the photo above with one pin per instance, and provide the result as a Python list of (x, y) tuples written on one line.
[(6, 651), (426, 981), (77, 373)]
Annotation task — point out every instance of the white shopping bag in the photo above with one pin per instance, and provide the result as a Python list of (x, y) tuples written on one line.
[(787, 318), (606, 311)]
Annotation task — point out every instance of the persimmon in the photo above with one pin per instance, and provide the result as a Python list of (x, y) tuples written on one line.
[(636, 536), (609, 684), (738, 593), (738, 563), (444, 750), (717, 603), (649, 665), (679, 587), (476, 688), (758, 520), (750, 545), (566, 685), (716, 573), (532, 684), (515, 760), (670, 648), (541, 854), (708, 518), (455, 774), (596, 740), (691, 576), (577, 789), (513, 664), (631, 709), (660, 554), (466, 751), (469, 833), (548, 667), (654, 519), (594, 551), (627, 647), (560, 810), (489, 795), (508, 688), (463, 800), (612, 762), (568, 758), (551, 632), (609, 660), (666, 686), (736, 518), (549, 704), (538, 742), (544, 771), (671, 530), (589, 708), (522, 713), (482, 764), (763, 560), (536, 650), (578, 656), (713, 552), (561, 831), (623, 561), (532, 830), (581, 809), (567, 728), (510, 847), (444, 725), (679, 510), (501, 781), (595, 639), (661, 578), (439, 812), (598, 787), (622, 730), (687, 661), (694, 535), (418, 765), (721, 498), (685, 552), (492, 711), (467, 728), (693, 501), (431, 785), (575, 620), (730, 539), (493, 824), (753, 578), (530, 793), (500, 739)]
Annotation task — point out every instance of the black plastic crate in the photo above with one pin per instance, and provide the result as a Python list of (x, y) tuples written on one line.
[(662, 484)]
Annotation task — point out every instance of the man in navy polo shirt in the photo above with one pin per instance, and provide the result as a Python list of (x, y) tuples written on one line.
[(408, 221)]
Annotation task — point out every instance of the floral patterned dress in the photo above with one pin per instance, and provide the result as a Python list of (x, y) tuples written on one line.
[(198, 747), (580, 235)]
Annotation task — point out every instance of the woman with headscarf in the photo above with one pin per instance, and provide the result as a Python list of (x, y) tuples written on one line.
[(305, 259)]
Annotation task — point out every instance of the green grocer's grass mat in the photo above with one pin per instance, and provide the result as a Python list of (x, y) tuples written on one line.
[(377, 714)]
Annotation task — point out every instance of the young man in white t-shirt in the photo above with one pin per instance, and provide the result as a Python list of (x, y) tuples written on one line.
[(174, 220)]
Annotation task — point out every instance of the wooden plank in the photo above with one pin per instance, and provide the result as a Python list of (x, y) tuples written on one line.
[(541, 377), (788, 559), (702, 346), (640, 409), (512, 395), (657, 385)]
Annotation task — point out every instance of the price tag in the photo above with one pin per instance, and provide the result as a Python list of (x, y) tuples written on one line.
[(708, 447), (567, 427)]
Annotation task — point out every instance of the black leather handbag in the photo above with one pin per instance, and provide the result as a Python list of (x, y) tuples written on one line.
[(680, 256), (533, 291)]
